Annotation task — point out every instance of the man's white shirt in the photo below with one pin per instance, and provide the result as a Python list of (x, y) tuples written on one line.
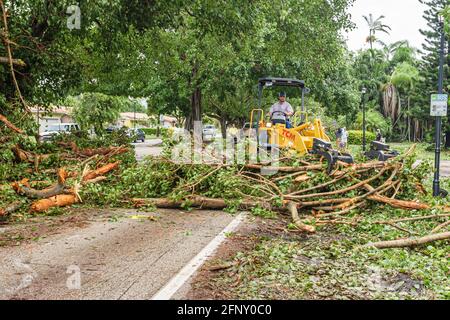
[(278, 110)]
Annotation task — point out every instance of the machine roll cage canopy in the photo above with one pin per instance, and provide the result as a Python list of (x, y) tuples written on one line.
[(268, 82), (284, 82)]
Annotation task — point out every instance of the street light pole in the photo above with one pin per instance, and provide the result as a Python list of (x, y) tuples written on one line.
[(363, 92), (437, 136)]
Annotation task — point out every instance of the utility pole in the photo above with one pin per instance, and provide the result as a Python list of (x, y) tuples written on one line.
[(134, 122), (437, 154), (363, 92)]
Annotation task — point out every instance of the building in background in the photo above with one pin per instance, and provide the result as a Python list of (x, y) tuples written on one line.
[(56, 115), (167, 121), (129, 119)]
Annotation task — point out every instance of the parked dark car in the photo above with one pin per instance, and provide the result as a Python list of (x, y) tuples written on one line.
[(136, 134)]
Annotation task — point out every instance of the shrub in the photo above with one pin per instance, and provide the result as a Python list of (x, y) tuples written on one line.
[(356, 137), (374, 121), (152, 131)]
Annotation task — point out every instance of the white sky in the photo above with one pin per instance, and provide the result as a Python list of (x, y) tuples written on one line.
[(403, 16)]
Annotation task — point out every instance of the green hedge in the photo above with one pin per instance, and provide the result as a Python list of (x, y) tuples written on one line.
[(356, 137), (152, 131)]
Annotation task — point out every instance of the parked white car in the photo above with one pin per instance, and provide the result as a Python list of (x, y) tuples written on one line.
[(209, 133), (59, 128)]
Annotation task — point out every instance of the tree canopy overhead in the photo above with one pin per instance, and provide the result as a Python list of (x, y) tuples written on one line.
[(216, 49), (200, 57)]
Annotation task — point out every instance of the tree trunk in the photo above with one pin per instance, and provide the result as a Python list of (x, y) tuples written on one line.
[(223, 126), (159, 123), (409, 121), (188, 124), (196, 105), (196, 101), (447, 139)]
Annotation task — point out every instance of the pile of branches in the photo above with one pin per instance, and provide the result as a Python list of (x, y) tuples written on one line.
[(62, 193), (303, 188), (78, 167), (22, 157)]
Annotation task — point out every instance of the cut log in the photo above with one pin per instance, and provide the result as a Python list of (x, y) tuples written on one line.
[(60, 200), (196, 202), (100, 171), (410, 242)]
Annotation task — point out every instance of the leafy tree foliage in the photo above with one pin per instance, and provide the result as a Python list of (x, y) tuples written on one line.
[(94, 110), (430, 60)]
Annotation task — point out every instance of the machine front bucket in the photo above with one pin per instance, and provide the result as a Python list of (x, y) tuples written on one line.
[(324, 149)]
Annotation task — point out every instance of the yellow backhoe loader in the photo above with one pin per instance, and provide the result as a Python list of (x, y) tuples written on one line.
[(304, 137)]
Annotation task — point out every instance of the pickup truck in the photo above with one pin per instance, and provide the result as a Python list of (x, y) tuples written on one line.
[(52, 130)]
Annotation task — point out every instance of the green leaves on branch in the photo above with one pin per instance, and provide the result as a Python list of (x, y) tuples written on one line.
[(96, 110)]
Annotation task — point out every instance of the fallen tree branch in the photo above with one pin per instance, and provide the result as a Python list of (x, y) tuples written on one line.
[(100, 171), (431, 216), (60, 200), (320, 186), (284, 169), (90, 152), (441, 226), (408, 205), (23, 187), (344, 211), (10, 125), (10, 208), (95, 180), (411, 242), (292, 207), (196, 202), (16, 62), (393, 225), (25, 156), (340, 191)]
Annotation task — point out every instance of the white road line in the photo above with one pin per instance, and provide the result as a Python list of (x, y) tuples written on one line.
[(188, 270)]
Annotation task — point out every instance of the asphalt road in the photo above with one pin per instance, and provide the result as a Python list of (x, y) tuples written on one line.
[(445, 168), (128, 257), (125, 259), (151, 147)]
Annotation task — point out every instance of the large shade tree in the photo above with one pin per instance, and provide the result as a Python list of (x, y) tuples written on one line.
[(211, 45)]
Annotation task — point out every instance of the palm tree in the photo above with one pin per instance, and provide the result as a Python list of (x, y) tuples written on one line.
[(375, 26), (403, 79), (389, 49)]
